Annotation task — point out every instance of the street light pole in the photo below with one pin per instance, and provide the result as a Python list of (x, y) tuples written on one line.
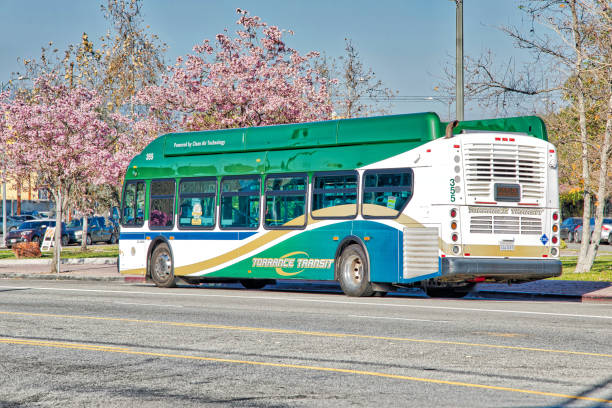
[(459, 75), (3, 243)]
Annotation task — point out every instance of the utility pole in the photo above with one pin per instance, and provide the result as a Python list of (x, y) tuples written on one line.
[(459, 74)]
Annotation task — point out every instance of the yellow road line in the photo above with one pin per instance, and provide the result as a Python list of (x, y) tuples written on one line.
[(93, 347), (308, 333)]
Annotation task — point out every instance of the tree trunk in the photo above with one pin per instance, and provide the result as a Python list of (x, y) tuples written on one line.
[(601, 195), (58, 232), (586, 211), (18, 197), (578, 71), (84, 236)]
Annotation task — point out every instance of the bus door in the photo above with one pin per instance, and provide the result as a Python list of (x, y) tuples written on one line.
[(132, 248)]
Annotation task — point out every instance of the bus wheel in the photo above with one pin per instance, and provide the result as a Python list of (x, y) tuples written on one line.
[(354, 272), (162, 270), (254, 283)]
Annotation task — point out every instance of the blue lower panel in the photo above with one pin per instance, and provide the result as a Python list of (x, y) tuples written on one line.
[(383, 248)]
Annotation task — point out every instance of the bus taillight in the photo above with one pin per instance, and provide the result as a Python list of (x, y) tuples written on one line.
[(454, 225), (555, 227)]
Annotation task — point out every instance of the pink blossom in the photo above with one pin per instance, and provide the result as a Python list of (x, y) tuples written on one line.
[(251, 79)]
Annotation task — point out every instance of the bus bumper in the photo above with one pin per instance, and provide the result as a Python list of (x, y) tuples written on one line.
[(501, 270)]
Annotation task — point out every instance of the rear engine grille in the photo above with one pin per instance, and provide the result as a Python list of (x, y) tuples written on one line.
[(490, 163), (420, 251), (505, 224)]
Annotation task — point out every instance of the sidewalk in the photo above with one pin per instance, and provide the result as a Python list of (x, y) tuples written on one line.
[(105, 269)]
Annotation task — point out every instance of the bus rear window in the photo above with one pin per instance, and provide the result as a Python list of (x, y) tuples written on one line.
[(334, 195), (133, 204), (197, 203), (386, 192), (240, 202), (161, 214)]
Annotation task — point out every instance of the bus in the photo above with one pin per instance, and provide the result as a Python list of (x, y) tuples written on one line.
[(375, 204)]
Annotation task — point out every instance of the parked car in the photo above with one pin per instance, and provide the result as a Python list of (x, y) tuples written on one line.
[(33, 231), (12, 223), (606, 231), (24, 217), (99, 229), (568, 227)]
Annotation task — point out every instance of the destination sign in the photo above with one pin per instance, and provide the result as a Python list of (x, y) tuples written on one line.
[(507, 192)]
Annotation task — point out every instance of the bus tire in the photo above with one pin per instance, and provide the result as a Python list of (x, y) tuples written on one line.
[(162, 267), (253, 283), (354, 272)]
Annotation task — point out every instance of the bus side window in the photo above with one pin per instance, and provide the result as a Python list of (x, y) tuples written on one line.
[(285, 202), (197, 199), (133, 204), (140, 203), (334, 194), (240, 196), (161, 211), (386, 192)]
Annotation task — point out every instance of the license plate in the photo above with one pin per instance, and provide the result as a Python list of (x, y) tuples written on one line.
[(506, 245)]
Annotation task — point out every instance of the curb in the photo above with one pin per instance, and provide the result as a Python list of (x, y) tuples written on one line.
[(40, 276), (593, 297), (64, 261)]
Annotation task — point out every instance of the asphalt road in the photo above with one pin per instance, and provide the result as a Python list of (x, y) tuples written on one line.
[(75, 344)]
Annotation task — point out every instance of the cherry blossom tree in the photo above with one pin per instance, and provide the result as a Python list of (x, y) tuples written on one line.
[(251, 79), (56, 132)]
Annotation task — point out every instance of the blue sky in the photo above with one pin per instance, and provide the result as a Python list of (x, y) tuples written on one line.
[(405, 42)]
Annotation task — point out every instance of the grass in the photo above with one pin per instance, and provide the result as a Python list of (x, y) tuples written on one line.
[(601, 270), (93, 251)]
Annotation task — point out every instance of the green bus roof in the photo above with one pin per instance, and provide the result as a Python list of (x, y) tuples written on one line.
[(531, 125), (420, 127), (316, 146)]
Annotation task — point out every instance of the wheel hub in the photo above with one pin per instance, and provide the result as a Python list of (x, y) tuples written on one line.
[(354, 269), (163, 266)]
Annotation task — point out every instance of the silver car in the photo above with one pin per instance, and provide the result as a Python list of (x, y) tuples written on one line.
[(606, 231)]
